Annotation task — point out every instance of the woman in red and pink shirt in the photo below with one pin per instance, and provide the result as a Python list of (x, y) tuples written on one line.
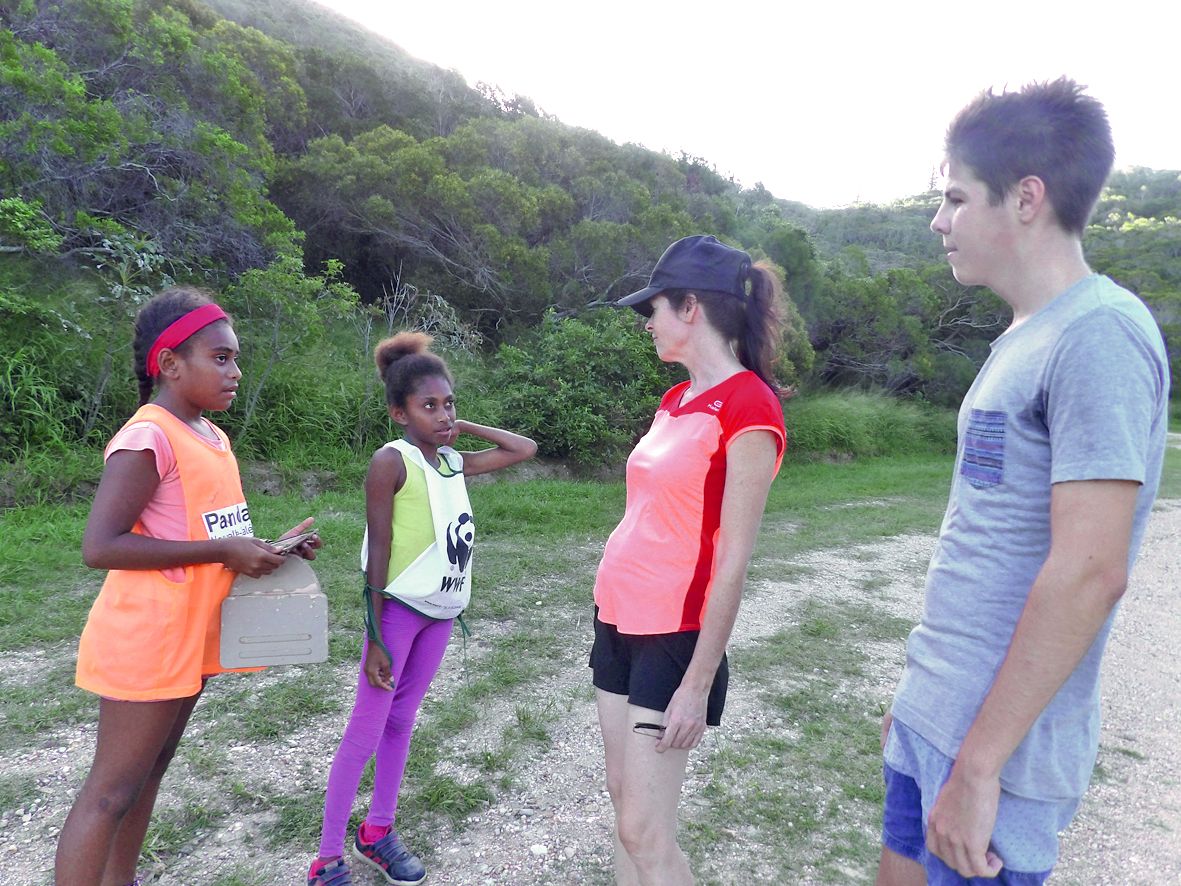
[(671, 577)]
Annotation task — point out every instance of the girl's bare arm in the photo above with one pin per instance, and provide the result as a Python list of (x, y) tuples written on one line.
[(507, 449), (128, 483), (387, 473)]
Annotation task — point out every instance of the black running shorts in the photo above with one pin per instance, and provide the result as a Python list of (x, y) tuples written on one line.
[(648, 668)]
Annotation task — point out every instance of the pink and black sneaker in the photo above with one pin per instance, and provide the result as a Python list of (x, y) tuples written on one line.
[(333, 873), (390, 856)]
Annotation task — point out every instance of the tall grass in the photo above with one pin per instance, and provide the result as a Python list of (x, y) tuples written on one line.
[(862, 423)]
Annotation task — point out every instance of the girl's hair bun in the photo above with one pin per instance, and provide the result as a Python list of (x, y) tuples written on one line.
[(396, 347), (402, 360)]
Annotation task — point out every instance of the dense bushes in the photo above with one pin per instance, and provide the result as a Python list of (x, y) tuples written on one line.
[(584, 389)]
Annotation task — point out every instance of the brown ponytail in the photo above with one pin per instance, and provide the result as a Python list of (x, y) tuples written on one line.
[(753, 323)]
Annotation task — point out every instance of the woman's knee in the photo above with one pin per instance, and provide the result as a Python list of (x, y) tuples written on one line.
[(644, 834)]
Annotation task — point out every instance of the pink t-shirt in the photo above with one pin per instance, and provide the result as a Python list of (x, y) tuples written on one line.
[(657, 567), (164, 516)]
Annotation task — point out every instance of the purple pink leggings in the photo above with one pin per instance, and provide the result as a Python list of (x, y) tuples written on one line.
[(382, 721)]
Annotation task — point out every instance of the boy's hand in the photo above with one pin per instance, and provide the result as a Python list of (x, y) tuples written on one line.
[(961, 822)]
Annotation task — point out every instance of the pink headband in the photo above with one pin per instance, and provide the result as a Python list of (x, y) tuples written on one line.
[(180, 330)]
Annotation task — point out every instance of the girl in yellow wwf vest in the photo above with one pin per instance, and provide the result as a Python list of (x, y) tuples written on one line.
[(417, 559), (170, 523)]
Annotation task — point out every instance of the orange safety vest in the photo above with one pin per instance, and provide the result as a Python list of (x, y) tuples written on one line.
[(149, 638)]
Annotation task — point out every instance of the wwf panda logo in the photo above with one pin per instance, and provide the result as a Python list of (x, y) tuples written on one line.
[(460, 536)]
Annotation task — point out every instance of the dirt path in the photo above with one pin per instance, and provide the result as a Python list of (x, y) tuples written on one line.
[(1127, 833), (553, 825), (1128, 830)]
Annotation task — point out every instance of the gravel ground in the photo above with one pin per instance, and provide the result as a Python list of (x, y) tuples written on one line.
[(553, 826), (1128, 830)]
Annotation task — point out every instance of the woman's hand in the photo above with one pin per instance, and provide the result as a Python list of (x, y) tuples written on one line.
[(684, 720), (377, 668)]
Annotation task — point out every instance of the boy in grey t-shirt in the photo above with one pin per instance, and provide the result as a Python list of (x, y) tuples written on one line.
[(994, 728)]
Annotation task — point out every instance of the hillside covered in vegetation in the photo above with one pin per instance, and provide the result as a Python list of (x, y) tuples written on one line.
[(331, 187)]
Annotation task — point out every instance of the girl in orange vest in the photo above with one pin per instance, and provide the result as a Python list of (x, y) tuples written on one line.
[(170, 523)]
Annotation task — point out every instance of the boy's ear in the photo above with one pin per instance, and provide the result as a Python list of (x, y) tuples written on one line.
[(1031, 198), (398, 414)]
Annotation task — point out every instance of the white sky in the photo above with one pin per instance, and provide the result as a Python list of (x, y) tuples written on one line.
[(825, 102)]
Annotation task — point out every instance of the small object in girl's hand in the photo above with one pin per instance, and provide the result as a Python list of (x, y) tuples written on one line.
[(287, 545)]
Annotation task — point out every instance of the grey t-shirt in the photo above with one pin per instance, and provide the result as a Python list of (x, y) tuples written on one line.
[(1079, 391)]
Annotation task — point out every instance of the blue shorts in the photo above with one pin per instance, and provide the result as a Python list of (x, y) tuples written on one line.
[(1025, 835)]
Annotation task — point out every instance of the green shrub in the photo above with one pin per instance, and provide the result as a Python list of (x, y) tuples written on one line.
[(25, 224), (32, 412), (311, 404), (861, 423), (584, 389)]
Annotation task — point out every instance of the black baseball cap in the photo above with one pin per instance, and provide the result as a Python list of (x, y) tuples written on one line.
[(698, 262)]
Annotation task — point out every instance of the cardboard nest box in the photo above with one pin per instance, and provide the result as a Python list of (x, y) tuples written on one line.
[(280, 618)]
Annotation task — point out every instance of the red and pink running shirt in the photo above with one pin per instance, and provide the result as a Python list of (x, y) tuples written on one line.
[(657, 567)]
